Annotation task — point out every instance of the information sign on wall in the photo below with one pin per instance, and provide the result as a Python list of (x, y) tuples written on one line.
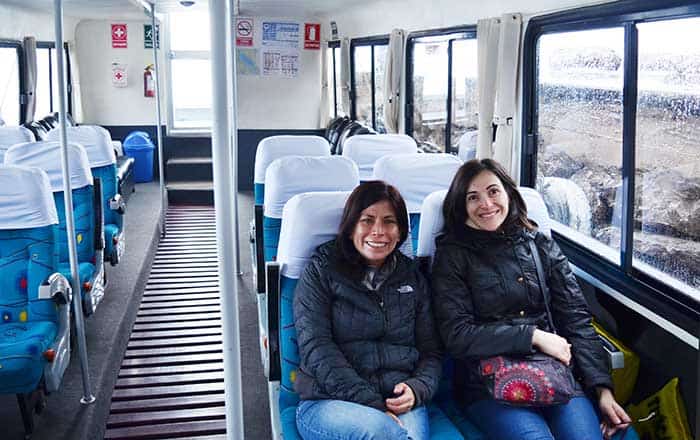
[(119, 78), (119, 36), (244, 32), (280, 34), (148, 36), (312, 36)]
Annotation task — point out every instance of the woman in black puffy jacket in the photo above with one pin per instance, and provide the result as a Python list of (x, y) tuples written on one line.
[(488, 302), (369, 349)]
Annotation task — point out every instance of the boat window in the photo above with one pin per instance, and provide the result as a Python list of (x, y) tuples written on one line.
[(47, 92), (333, 76), (368, 59), (442, 72), (9, 84), (190, 72)]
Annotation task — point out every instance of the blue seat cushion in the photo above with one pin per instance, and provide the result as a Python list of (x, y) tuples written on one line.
[(271, 237), (259, 192), (414, 219), (288, 422), (21, 354), (111, 231)]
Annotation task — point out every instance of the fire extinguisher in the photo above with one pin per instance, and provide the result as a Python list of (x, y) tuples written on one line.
[(149, 87)]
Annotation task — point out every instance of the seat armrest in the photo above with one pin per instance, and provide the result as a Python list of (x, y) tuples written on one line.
[(259, 248), (99, 215), (617, 358), (57, 288), (117, 204), (272, 273)]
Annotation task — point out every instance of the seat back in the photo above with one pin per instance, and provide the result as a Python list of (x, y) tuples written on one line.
[(27, 244), (298, 240), (416, 176), (292, 175), (274, 147), (365, 149), (467, 145), (13, 135), (536, 209), (47, 156)]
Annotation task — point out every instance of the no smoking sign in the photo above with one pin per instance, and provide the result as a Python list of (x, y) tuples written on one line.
[(244, 32)]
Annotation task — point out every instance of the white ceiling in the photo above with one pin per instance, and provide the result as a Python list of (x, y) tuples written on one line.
[(105, 9)]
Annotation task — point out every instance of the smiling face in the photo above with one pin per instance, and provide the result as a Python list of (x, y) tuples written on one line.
[(487, 202), (376, 233)]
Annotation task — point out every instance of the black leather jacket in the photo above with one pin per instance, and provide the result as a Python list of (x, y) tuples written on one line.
[(356, 344), (488, 302)]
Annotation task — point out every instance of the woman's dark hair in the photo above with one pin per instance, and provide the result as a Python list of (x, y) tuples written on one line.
[(364, 196), (455, 207)]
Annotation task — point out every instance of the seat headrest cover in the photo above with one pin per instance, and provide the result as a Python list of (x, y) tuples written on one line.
[(365, 149), (26, 200), (536, 209), (13, 135), (292, 175), (309, 219), (47, 156), (274, 147), (95, 139), (467, 145), (417, 175), (431, 223)]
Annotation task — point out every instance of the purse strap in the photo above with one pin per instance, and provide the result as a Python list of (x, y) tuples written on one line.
[(542, 282)]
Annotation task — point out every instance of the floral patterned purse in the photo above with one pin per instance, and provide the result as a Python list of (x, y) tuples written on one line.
[(534, 380)]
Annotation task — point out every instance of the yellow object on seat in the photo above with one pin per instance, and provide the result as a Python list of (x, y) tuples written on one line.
[(624, 379), (663, 415)]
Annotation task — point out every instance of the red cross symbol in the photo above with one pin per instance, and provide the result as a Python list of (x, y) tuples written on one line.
[(119, 35), (118, 75)]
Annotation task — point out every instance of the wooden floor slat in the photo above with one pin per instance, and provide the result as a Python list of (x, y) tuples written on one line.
[(170, 384)]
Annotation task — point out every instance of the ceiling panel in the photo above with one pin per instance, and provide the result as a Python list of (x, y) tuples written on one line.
[(84, 8), (289, 8)]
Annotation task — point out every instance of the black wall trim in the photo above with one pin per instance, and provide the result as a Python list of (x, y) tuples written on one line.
[(247, 145)]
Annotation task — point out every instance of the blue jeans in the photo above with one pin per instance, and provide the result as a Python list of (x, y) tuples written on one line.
[(576, 420), (340, 420)]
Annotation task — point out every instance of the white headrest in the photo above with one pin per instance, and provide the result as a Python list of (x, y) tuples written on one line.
[(299, 236), (536, 209), (431, 223), (274, 147), (47, 156), (467, 145), (95, 139), (417, 175), (25, 198), (365, 149), (292, 175), (13, 135)]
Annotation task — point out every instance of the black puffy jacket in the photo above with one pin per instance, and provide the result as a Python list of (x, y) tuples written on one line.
[(356, 344), (488, 302)]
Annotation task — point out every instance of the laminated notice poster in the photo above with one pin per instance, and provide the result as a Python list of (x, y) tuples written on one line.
[(280, 34), (280, 63)]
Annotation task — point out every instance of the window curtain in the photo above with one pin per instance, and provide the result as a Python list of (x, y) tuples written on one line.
[(507, 87), (29, 92), (345, 76), (324, 111), (487, 32), (75, 84), (392, 80)]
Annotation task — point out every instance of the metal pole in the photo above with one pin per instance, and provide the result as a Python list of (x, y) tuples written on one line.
[(223, 198), (233, 105), (68, 203), (159, 134)]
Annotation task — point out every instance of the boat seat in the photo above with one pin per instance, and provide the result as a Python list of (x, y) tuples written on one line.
[(416, 176), (34, 298), (365, 149), (125, 176), (87, 210), (298, 239), (10, 135)]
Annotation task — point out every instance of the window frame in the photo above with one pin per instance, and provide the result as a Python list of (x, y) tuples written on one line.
[(17, 45), (641, 287), (379, 40), (332, 45), (469, 32), (51, 46)]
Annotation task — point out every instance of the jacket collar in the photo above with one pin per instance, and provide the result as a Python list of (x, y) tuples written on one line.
[(477, 238)]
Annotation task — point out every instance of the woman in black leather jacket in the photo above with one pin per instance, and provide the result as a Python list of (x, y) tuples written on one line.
[(369, 349), (488, 302)]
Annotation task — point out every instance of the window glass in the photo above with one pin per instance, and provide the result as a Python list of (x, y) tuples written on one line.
[(43, 83), (579, 108), (379, 68), (191, 98), (667, 187), (430, 91), (182, 23), (55, 104), (9, 85), (464, 95), (362, 69), (329, 77), (338, 85)]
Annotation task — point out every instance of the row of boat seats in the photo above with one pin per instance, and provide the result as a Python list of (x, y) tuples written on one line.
[(364, 150), (341, 129), (416, 176), (467, 145), (34, 296)]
